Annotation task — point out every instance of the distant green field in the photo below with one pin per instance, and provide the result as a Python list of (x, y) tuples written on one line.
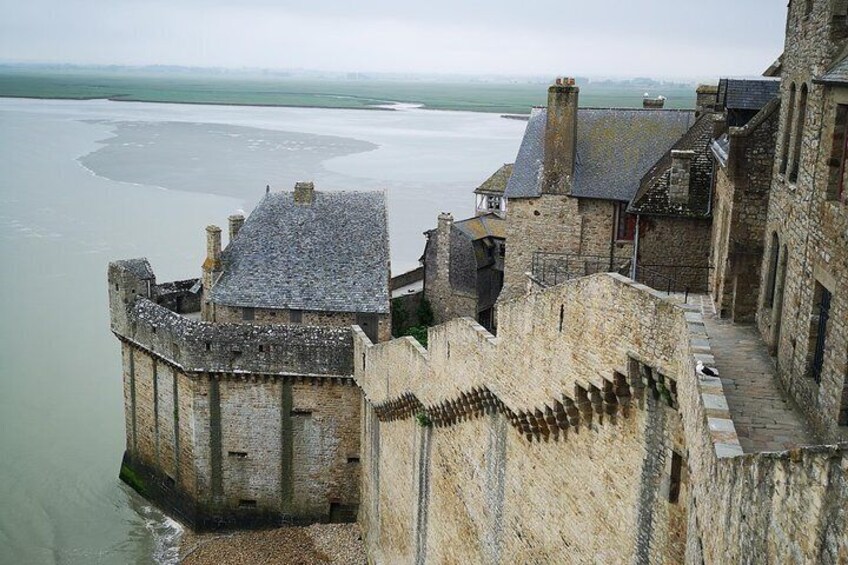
[(359, 94)]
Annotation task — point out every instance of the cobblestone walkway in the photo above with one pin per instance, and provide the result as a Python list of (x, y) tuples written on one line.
[(765, 419)]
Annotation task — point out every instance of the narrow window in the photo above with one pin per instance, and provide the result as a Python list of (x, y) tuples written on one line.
[(208, 346), (787, 130), (674, 480), (296, 316), (625, 223), (353, 459), (561, 316), (799, 135), (247, 314), (818, 330), (237, 454), (843, 408), (838, 154), (771, 284), (808, 7), (301, 412), (247, 504), (261, 348)]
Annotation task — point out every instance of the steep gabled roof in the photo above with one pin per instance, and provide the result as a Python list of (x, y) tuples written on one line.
[(652, 198), (479, 227), (496, 184), (615, 148), (837, 73), (741, 94), (330, 255)]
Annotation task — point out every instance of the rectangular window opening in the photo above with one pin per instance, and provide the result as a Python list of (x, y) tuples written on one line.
[(625, 229), (838, 154), (818, 330), (247, 314), (237, 454), (301, 412), (247, 504), (296, 316), (674, 480), (208, 346), (353, 459)]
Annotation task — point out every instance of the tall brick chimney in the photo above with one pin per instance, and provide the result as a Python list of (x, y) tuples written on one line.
[(443, 237), (678, 182), (236, 222), (304, 193), (560, 137)]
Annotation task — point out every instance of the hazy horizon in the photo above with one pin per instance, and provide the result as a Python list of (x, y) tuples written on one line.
[(663, 39)]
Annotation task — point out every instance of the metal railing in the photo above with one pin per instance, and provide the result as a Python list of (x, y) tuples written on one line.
[(549, 269), (673, 279)]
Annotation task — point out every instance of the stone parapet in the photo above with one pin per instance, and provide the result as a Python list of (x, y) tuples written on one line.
[(567, 359)]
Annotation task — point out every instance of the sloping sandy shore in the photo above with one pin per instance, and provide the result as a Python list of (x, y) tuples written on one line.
[(337, 544)]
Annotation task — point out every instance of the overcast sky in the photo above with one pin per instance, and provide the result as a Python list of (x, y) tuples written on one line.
[(659, 38)]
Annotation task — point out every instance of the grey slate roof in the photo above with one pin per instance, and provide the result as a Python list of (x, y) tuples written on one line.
[(527, 171), (739, 94), (837, 74), (652, 198), (139, 267), (331, 255), (615, 148), (496, 184)]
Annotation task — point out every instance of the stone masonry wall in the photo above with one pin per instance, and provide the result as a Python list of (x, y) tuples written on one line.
[(235, 315), (481, 490), (810, 227), (557, 224), (685, 261), (555, 442), (740, 210), (450, 272), (236, 424)]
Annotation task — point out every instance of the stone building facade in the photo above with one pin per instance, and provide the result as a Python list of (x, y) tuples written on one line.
[(250, 416), (463, 268), (673, 204), (744, 158), (576, 171), (803, 307), (554, 442)]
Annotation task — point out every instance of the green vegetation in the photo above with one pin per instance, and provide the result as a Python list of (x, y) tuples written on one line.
[(425, 313), (132, 479), (419, 333), (271, 90), (400, 317), (423, 420)]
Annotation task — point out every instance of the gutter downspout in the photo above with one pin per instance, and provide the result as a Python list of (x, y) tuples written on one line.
[(635, 249)]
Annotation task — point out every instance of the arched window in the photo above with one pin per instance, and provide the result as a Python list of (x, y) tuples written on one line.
[(787, 130), (771, 282), (799, 134)]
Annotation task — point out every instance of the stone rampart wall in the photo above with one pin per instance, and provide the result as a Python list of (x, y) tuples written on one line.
[(508, 471), (556, 438)]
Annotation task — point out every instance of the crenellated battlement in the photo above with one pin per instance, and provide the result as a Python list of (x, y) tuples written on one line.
[(193, 346)]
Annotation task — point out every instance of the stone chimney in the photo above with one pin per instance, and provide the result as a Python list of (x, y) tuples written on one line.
[(706, 98), (560, 137), (236, 222), (213, 245), (304, 193), (443, 233), (678, 182)]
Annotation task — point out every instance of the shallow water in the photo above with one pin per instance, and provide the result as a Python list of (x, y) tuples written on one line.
[(82, 183)]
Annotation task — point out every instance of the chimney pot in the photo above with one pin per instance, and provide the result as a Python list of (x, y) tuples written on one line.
[(304, 193)]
